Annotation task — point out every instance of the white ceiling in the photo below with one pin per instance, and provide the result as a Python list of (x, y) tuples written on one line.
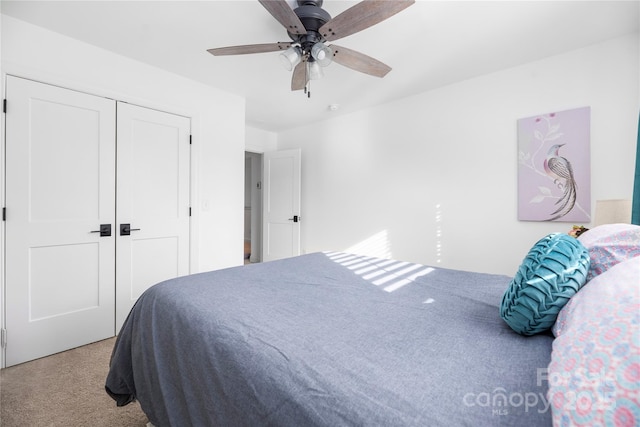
[(428, 45)]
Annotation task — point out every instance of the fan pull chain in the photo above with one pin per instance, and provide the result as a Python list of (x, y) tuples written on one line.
[(307, 86)]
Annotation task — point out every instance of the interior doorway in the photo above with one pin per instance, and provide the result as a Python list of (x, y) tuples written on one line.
[(252, 207)]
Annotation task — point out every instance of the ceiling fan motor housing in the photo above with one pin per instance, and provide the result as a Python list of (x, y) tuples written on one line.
[(312, 17)]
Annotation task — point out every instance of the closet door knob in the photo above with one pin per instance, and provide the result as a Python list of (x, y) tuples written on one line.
[(105, 230), (125, 229)]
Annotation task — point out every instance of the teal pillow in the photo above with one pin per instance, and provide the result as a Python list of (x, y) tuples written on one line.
[(552, 272)]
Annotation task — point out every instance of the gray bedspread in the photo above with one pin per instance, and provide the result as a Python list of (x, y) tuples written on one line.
[(329, 339)]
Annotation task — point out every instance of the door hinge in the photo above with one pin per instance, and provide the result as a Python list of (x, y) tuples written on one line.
[(4, 214), (3, 338), (4, 105), (189, 210), (190, 140)]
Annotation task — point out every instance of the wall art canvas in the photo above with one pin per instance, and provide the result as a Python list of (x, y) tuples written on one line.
[(554, 167)]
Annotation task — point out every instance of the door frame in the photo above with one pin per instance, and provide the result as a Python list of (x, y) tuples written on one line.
[(255, 175), (42, 76)]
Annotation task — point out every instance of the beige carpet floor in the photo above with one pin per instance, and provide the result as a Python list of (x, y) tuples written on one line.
[(66, 389)]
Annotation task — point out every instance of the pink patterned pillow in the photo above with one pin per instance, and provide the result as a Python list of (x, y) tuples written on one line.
[(610, 244), (594, 374)]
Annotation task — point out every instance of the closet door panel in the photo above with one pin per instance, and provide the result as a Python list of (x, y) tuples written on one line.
[(60, 186), (153, 201)]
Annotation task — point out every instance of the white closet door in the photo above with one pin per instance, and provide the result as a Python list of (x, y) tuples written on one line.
[(60, 186), (153, 201)]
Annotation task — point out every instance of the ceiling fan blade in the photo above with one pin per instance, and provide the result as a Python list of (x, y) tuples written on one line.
[(249, 48), (362, 15), (280, 10), (359, 61), (299, 77)]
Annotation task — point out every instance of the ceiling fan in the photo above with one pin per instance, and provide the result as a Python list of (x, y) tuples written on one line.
[(310, 27)]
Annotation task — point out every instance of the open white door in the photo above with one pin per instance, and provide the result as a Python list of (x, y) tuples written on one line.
[(60, 189), (153, 202), (281, 204)]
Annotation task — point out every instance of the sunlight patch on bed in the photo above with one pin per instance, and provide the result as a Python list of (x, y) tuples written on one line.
[(389, 274)]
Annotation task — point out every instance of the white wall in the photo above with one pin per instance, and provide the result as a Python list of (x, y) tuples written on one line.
[(217, 120), (260, 141), (433, 178)]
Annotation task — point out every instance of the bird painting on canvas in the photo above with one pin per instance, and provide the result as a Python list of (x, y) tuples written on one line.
[(553, 177)]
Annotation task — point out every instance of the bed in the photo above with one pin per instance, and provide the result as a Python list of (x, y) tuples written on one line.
[(330, 339)]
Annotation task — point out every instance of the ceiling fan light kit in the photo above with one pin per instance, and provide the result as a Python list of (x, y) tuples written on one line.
[(310, 27)]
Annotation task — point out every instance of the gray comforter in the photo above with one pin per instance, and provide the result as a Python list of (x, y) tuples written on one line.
[(329, 339)]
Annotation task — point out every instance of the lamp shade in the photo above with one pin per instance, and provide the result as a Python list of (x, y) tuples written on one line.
[(315, 71), (322, 54), (291, 57), (613, 212)]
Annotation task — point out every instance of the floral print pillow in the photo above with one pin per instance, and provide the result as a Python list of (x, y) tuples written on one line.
[(594, 374), (610, 244)]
